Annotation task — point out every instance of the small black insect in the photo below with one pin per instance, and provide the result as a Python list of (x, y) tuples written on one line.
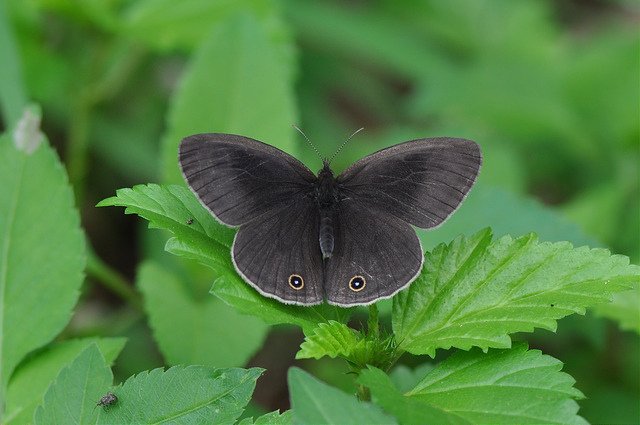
[(107, 400), (190, 221)]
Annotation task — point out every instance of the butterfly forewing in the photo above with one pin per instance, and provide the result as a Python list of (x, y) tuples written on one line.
[(421, 182), (239, 178)]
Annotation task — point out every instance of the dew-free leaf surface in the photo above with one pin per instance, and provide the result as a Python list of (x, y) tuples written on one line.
[(475, 291), (314, 402), (42, 251), (239, 81), (31, 380), (516, 385), (72, 397), (182, 395), (190, 329)]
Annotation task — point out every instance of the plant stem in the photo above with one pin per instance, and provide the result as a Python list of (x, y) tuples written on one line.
[(373, 326), (112, 280)]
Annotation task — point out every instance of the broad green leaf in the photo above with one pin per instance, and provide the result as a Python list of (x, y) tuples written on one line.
[(408, 410), (31, 380), (42, 248), (223, 92), (200, 237), (624, 309), (72, 397), (176, 209), (183, 395), (405, 378), (475, 292), (190, 330), (502, 387), (168, 25), (331, 339), (272, 418), (314, 402), (236, 293)]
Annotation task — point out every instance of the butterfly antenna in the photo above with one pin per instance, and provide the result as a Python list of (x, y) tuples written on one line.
[(344, 143), (309, 141)]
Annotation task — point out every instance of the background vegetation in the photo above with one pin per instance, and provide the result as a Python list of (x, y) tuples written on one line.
[(548, 89)]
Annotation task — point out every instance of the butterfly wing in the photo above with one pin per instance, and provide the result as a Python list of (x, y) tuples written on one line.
[(279, 254), (421, 182), (246, 183), (239, 179), (381, 250)]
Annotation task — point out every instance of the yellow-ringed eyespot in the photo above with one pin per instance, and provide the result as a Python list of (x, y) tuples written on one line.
[(357, 283), (296, 282)]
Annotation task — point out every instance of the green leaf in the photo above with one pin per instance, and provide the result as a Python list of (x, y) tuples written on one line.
[(624, 309), (474, 292), (165, 25), (331, 339), (222, 92), (183, 395), (314, 402), (71, 399), (272, 418), (31, 380), (176, 209), (529, 386), (42, 250), (189, 329), (208, 242), (408, 410), (237, 293)]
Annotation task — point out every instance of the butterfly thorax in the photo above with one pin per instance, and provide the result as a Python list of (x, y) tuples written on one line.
[(327, 199)]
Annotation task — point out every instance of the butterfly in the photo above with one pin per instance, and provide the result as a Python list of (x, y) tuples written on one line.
[(303, 238)]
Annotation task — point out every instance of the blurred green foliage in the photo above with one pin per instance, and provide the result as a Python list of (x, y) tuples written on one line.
[(548, 89)]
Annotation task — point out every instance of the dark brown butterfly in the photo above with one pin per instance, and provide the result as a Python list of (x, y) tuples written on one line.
[(348, 239)]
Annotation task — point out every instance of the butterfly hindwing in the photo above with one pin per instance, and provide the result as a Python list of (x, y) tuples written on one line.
[(421, 182), (279, 255), (238, 178), (379, 249)]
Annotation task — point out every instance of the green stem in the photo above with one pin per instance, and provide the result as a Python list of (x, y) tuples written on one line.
[(112, 280), (373, 325), (13, 96)]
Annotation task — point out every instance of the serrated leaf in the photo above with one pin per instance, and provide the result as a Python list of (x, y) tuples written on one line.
[(624, 309), (408, 410), (528, 385), (31, 380), (72, 398), (176, 209), (331, 339), (183, 395), (314, 402), (200, 237), (222, 92), (37, 220), (189, 330), (475, 292), (235, 292), (272, 418)]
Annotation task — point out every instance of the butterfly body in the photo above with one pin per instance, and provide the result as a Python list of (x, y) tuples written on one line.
[(304, 238)]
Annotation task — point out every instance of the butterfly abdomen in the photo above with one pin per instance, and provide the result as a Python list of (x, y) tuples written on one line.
[(326, 234), (326, 199)]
